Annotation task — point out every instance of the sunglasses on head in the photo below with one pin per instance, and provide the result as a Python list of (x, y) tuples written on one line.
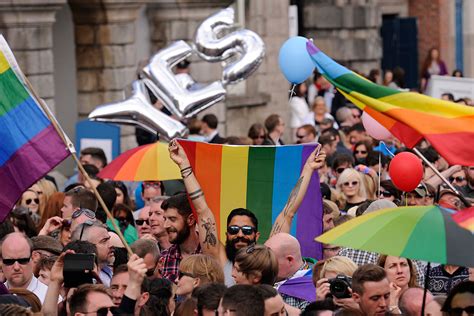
[(353, 183), (28, 201), (10, 262), (140, 222), (457, 179), (152, 185), (246, 229), (84, 211), (386, 194), (104, 311)]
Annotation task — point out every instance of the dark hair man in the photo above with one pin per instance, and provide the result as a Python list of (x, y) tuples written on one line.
[(275, 128), (93, 156), (242, 300), (148, 250), (180, 224), (242, 225), (78, 198), (371, 289), (209, 129), (305, 134), (208, 297)]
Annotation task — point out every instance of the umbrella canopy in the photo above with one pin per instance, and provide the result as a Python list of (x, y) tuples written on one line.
[(426, 233), (145, 163), (465, 218)]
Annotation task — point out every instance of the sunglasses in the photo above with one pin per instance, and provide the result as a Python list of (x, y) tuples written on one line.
[(84, 211), (182, 274), (86, 223), (300, 136), (259, 137), (386, 194), (140, 222), (246, 230), (457, 311), (104, 311), (451, 179), (355, 116), (340, 170), (363, 152), (10, 262), (353, 183), (28, 201)]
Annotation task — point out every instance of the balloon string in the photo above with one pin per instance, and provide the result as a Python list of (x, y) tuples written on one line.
[(406, 198), (292, 92), (380, 169)]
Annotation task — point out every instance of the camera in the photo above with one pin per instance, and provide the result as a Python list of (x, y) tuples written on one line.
[(339, 286), (78, 269)]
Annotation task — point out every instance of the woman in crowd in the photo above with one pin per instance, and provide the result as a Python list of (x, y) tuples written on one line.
[(401, 273), (255, 265), (257, 133), (318, 114), (124, 216), (361, 150), (352, 189), (433, 65), (197, 270), (333, 267), (52, 208), (30, 200), (298, 107), (122, 193), (389, 191)]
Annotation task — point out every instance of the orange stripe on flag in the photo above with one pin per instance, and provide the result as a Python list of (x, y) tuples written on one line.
[(128, 170)]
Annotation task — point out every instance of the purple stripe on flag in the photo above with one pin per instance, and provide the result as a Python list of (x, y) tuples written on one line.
[(29, 164), (310, 215)]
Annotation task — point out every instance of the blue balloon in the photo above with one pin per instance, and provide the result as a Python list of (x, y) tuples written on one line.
[(294, 60)]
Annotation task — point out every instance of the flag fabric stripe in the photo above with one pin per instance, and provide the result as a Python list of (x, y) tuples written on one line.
[(260, 177), (30, 146), (13, 94), (286, 174), (19, 125), (131, 165), (37, 156), (208, 169), (233, 181), (113, 170), (418, 114), (167, 169)]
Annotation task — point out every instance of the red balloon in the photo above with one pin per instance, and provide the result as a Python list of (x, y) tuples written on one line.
[(406, 171)]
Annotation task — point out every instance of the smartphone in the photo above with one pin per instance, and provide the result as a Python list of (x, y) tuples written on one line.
[(78, 269)]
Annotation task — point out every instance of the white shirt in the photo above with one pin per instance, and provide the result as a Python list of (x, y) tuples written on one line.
[(299, 110), (37, 287)]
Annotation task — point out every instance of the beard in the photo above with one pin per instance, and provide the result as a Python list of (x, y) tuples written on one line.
[(230, 248), (181, 236)]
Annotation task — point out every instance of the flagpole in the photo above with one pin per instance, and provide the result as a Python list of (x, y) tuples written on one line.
[(429, 164), (72, 150)]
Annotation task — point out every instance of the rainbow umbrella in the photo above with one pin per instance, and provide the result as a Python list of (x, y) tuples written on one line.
[(426, 233), (465, 218), (145, 163)]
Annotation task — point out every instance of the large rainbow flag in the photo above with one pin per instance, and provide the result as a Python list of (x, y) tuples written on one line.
[(29, 145), (409, 116), (259, 179)]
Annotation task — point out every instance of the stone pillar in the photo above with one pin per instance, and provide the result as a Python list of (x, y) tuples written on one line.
[(27, 27), (105, 50), (468, 38)]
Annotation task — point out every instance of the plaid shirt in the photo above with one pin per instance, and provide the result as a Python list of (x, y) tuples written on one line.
[(169, 261)]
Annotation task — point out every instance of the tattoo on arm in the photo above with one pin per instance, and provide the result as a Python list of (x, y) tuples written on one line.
[(210, 239), (293, 195), (276, 229)]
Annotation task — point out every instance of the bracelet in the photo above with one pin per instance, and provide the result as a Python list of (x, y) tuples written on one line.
[(196, 194), (186, 172)]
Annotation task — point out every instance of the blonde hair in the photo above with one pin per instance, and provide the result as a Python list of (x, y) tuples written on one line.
[(258, 261), (203, 267), (315, 102), (370, 185), (338, 265), (344, 177)]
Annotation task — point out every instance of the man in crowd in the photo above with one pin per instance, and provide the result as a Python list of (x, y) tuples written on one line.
[(119, 283), (78, 198), (180, 225), (96, 233), (209, 129), (147, 249), (150, 190), (411, 301), (18, 266), (208, 297), (142, 223), (346, 118), (242, 300), (291, 266), (44, 247), (275, 127), (305, 134), (93, 156), (157, 222)]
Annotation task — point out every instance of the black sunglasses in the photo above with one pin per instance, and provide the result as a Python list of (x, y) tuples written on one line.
[(87, 212), (246, 229), (451, 179), (86, 223), (259, 137), (28, 201), (386, 193), (340, 170), (10, 262), (360, 152), (353, 183), (457, 311), (104, 311), (182, 274), (140, 222)]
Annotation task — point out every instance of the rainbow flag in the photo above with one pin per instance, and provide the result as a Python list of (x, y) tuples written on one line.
[(409, 116), (29, 144), (259, 179), (465, 218)]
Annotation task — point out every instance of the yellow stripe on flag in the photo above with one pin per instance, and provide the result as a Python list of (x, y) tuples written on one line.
[(4, 65)]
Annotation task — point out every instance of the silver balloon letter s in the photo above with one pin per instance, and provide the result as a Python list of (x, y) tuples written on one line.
[(137, 110), (213, 42), (162, 82)]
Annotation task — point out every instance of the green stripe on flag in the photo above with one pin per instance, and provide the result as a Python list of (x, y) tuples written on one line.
[(260, 186), (12, 92), (352, 82)]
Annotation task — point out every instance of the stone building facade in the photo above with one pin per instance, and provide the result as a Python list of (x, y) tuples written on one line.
[(83, 53)]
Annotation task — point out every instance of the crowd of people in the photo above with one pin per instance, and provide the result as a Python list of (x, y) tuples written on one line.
[(61, 255)]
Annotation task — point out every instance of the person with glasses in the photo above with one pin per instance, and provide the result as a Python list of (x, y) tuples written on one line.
[(143, 224), (352, 189), (242, 224), (30, 200), (361, 150), (257, 133), (78, 198), (389, 192), (460, 300), (305, 134), (340, 162), (17, 265), (459, 178)]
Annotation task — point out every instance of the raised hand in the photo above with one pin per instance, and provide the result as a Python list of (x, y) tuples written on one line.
[(58, 267), (177, 154), (51, 225), (317, 158)]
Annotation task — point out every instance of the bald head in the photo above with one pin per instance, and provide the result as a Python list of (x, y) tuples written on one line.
[(287, 249), (411, 301)]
